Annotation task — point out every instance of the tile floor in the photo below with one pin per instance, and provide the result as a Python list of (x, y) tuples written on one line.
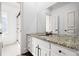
[(11, 50)]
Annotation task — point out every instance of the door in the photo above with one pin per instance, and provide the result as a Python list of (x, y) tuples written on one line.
[(44, 48), (35, 46), (70, 23), (8, 23), (43, 51)]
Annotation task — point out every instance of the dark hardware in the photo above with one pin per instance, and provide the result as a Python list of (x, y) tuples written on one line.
[(56, 29), (48, 33), (0, 32), (40, 51), (18, 15), (59, 51), (65, 30)]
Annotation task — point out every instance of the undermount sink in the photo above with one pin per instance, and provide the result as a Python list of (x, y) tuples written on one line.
[(44, 36)]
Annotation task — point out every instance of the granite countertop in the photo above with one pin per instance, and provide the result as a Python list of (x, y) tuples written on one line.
[(64, 40)]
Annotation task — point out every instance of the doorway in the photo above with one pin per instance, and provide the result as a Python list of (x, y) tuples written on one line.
[(9, 12)]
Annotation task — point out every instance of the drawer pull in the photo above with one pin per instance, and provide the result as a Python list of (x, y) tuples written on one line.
[(60, 51)]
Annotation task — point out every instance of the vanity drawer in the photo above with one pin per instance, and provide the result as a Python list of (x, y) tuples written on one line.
[(44, 44), (61, 51)]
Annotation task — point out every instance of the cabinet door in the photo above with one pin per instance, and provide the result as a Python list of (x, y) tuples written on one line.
[(44, 48), (35, 44), (43, 51), (29, 41)]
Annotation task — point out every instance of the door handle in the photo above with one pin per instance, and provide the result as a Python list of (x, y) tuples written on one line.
[(37, 52), (40, 51)]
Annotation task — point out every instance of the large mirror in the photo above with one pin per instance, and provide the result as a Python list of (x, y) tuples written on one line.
[(64, 21)]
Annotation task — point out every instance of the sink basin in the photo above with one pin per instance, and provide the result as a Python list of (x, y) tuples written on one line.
[(44, 36)]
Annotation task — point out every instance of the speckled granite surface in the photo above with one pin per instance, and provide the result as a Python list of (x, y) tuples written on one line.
[(64, 40)]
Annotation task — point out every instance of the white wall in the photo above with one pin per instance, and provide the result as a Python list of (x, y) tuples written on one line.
[(30, 12), (62, 13), (0, 19)]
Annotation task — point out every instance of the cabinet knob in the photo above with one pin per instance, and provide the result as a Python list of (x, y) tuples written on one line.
[(60, 51), (65, 30), (56, 29)]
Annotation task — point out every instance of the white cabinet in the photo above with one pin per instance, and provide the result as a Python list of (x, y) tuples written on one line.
[(57, 50), (32, 44), (29, 43), (44, 47), (43, 51), (35, 46), (38, 47)]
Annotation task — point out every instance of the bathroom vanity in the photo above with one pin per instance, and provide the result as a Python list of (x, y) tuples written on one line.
[(0, 45), (52, 45)]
